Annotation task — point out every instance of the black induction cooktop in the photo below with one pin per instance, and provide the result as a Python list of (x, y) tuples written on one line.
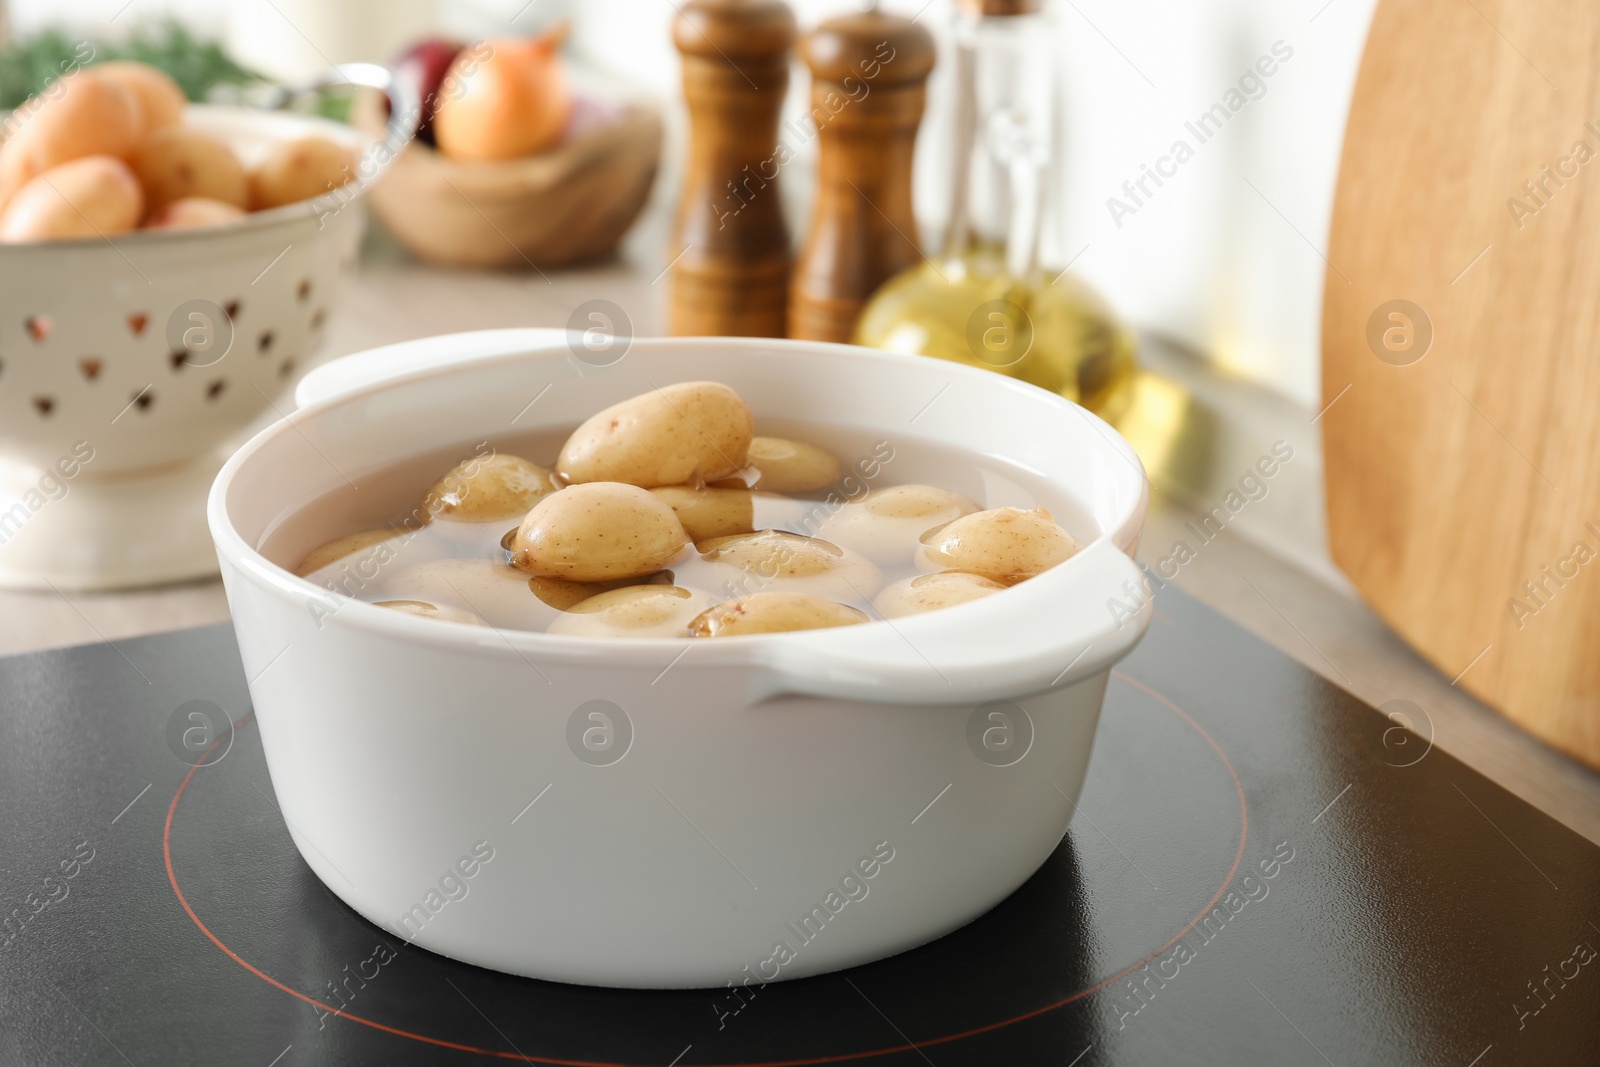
[(1261, 870)]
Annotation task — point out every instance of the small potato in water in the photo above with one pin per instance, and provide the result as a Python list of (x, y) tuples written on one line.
[(774, 559), (342, 548), (193, 213), (178, 163), (564, 595), (683, 434), (929, 592), (634, 611), (710, 512), (596, 532), (1005, 544), (491, 590), (493, 488), (298, 170), (885, 524), (91, 197), (423, 609), (785, 466), (767, 613), (718, 511)]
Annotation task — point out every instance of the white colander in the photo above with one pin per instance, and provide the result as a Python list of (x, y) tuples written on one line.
[(128, 363)]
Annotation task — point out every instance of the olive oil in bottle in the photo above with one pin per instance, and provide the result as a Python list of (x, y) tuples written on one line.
[(987, 299)]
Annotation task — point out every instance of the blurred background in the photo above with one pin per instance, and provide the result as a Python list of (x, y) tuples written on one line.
[(1377, 557), (1217, 261), (1227, 259)]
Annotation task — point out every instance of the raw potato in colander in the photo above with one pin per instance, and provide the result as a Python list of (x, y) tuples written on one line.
[(178, 163), (96, 196), (134, 116), (81, 116), (297, 170)]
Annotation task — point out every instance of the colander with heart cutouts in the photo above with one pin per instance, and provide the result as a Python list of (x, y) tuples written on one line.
[(127, 364)]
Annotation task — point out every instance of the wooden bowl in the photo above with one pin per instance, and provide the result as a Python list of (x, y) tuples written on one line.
[(570, 203)]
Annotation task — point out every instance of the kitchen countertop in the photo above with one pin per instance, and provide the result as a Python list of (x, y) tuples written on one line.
[(1287, 594)]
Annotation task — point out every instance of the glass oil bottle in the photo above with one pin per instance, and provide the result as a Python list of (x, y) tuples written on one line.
[(987, 299)]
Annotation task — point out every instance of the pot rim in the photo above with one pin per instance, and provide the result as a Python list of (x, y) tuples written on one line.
[(867, 661)]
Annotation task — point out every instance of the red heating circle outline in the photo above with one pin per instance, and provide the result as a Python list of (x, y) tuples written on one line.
[(1244, 832)]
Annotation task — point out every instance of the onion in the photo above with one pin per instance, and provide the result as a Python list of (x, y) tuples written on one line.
[(503, 99)]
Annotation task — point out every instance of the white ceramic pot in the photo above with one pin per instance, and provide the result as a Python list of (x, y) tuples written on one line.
[(668, 812), (116, 365)]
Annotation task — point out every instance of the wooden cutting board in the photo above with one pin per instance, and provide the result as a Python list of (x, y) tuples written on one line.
[(1461, 350)]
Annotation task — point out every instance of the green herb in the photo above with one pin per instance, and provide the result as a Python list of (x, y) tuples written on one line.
[(197, 66)]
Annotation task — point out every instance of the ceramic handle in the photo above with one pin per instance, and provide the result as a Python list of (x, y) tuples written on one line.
[(1047, 633)]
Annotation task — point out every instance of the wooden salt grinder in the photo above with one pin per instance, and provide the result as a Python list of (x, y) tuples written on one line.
[(869, 75), (732, 271)]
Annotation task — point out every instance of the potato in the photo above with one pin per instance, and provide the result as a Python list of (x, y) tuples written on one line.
[(596, 532), (490, 488), (561, 594), (564, 595), (1006, 544), (96, 196), (193, 213), (177, 163), (710, 512), (343, 548), (929, 592), (885, 524), (491, 590), (765, 613), (299, 170), (423, 609), (717, 511), (774, 559), (684, 434), (784, 466), (77, 116), (634, 611), (161, 101), (359, 565)]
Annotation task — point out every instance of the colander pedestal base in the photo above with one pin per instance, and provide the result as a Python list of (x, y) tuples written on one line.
[(112, 532)]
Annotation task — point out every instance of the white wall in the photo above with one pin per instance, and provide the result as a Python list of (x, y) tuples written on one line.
[(1226, 255)]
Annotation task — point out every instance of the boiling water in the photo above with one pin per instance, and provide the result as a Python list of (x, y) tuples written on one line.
[(478, 580)]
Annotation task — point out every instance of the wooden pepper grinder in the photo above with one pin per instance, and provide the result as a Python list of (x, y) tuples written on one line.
[(869, 75), (732, 271)]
